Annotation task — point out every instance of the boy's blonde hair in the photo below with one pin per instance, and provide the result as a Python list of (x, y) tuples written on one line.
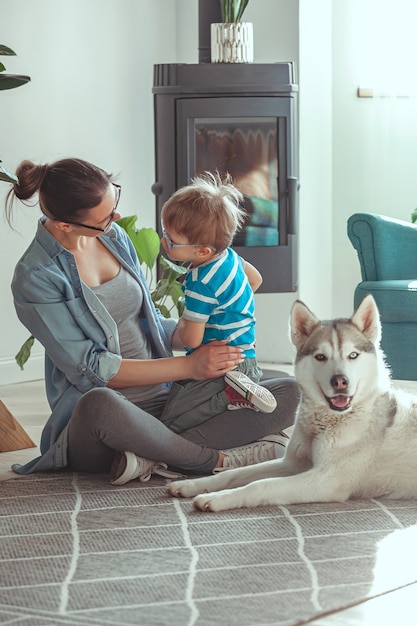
[(208, 211)]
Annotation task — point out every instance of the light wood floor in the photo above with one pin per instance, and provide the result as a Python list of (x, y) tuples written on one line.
[(28, 405)]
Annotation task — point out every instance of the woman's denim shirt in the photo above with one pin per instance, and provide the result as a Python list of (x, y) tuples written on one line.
[(79, 336)]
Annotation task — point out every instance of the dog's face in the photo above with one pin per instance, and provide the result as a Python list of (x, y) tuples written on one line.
[(337, 361)]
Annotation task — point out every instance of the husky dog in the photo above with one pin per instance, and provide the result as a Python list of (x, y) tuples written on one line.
[(355, 435)]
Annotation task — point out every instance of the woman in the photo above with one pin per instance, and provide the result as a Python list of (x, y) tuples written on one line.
[(80, 291)]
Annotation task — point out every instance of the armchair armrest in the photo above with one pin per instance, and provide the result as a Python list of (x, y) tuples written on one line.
[(386, 247)]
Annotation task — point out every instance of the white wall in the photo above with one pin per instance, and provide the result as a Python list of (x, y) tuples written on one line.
[(315, 215), (374, 140), (91, 65)]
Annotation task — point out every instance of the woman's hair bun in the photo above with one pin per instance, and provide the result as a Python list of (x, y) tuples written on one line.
[(30, 177)]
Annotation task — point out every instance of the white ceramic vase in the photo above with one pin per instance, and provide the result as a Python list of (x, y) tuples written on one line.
[(232, 42)]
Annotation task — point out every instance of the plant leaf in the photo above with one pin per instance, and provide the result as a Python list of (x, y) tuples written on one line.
[(164, 310), (127, 223), (232, 10), (161, 290), (241, 6), (10, 81), (176, 293), (24, 352), (167, 264), (180, 306), (225, 10), (146, 240), (7, 52), (6, 176)]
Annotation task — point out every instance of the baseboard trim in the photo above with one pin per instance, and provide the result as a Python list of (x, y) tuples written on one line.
[(10, 372)]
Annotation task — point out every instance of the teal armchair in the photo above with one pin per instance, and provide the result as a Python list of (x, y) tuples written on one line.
[(387, 253)]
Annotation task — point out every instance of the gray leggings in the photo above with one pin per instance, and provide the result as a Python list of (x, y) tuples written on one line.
[(104, 421)]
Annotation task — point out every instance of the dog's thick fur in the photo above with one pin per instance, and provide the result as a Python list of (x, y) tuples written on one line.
[(355, 435)]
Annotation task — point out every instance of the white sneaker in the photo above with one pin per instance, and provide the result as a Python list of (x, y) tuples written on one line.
[(249, 394), (265, 449), (127, 466)]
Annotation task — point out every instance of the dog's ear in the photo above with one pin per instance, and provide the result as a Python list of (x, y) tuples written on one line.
[(366, 318), (302, 323)]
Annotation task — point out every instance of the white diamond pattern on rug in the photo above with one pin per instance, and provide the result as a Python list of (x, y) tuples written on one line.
[(76, 550)]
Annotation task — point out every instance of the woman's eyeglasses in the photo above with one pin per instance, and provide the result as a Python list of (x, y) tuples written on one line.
[(109, 223)]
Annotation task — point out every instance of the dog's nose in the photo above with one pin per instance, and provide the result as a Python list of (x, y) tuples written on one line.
[(339, 382)]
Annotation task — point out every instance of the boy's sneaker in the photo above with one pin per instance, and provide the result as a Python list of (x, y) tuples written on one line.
[(127, 466), (265, 449), (243, 393)]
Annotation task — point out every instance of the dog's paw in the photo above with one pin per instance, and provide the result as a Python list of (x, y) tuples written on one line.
[(182, 489), (210, 502)]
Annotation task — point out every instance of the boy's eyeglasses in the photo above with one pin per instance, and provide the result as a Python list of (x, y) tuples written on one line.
[(109, 223), (171, 245)]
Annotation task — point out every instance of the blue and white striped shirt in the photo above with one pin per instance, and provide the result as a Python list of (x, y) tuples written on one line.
[(218, 294)]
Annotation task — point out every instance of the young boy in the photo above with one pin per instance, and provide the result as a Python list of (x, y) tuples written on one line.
[(199, 223)]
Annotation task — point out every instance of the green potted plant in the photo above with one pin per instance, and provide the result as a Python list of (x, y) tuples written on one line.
[(166, 292), (9, 81), (232, 39)]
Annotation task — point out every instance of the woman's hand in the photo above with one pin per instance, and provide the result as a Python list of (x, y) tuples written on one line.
[(208, 361), (213, 359)]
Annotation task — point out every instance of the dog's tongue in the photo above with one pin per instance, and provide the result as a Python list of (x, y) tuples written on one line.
[(340, 401)]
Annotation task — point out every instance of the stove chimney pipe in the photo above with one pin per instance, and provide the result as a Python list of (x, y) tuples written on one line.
[(209, 12)]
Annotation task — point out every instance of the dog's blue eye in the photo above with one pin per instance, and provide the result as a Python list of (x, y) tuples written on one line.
[(353, 355), (320, 357)]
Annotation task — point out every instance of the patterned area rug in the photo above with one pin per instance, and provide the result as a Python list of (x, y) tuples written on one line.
[(76, 550)]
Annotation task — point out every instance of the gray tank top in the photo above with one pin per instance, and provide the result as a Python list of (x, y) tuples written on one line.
[(123, 298)]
